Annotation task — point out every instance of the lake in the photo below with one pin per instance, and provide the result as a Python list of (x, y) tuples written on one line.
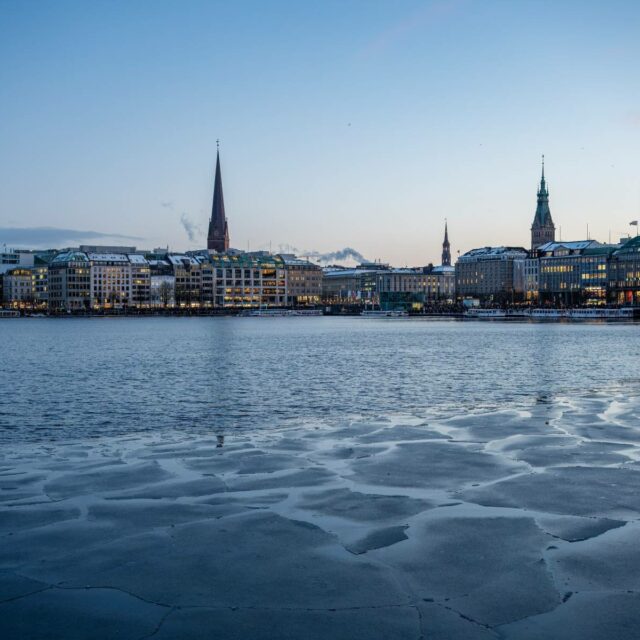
[(87, 377)]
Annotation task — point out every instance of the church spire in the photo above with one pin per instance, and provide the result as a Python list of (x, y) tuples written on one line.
[(542, 230), (218, 236), (446, 248), (543, 182)]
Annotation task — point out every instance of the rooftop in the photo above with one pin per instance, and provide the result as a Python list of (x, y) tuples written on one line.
[(107, 257), (70, 256), (495, 252), (630, 246)]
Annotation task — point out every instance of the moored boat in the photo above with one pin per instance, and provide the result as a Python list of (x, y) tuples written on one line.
[(380, 313), (495, 314), (547, 314), (279, 313), (602, 313)]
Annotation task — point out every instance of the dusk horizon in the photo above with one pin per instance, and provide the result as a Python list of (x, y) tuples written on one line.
[(368, 127)]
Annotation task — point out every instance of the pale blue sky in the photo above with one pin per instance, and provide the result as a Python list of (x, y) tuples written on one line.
[(342, 123)]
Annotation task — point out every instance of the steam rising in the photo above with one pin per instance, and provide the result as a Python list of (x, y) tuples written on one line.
[(192, 230), (326, 258)]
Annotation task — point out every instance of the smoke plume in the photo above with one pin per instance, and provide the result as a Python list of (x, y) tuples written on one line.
[(337, 256), (192, 229), (326, 258)]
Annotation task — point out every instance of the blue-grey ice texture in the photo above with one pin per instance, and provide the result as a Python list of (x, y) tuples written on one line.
[(519, 524)]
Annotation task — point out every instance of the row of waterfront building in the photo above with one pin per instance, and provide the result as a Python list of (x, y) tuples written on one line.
[(583, 272), (91, 278), (98, 278), (103, 278)]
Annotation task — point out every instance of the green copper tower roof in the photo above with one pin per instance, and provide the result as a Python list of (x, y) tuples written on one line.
[(543, 213)]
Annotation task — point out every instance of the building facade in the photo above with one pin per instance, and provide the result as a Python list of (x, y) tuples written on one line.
[(40, 283), (574, 273), (379, 285), (624, 274), (303, 281), (531, 279), (249, 280), (110, 280), (12, 258), (17, 290), (140, 281), (188, 280), (69, 278), (491, 274)]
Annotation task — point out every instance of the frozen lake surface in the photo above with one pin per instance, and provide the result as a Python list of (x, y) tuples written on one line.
[(498, 495)]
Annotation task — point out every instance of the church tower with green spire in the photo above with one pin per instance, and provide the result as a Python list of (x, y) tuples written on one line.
[(542, 230)]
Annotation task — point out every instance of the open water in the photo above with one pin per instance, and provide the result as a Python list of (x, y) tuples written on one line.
[(76, 378)]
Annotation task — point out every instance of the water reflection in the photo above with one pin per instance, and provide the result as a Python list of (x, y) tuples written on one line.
[(85, 377)]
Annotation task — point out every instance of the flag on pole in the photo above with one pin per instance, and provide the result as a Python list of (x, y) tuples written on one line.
[(634, 223)]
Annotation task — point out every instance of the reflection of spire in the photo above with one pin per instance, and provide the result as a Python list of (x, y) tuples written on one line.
[(218, 236), (446, 249)]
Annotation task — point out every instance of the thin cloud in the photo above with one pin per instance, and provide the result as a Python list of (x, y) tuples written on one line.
[(428, 15), (53, 237), (633, 118)]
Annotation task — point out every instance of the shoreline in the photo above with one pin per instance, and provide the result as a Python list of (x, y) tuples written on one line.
[(516, 319)]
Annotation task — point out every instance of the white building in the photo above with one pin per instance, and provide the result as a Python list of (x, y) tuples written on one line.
[(12, 258), (17, 287), (110, 280)]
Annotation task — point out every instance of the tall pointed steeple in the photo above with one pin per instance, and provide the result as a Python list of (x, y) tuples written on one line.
[(542, 230), (218, 236), (446, 248)]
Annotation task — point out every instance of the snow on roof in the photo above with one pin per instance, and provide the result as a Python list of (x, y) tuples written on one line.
[(443, 268), (180, 260), (574, 245), (107, 257), (493, 253), (70, 256), (136, 258)]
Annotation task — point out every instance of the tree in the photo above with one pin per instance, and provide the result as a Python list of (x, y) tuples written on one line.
[(165, 290)]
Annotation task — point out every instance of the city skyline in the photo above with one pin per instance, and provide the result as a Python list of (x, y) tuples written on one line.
[(347, 134)]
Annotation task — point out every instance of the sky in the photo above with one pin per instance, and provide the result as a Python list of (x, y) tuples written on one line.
[(342, 123)]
